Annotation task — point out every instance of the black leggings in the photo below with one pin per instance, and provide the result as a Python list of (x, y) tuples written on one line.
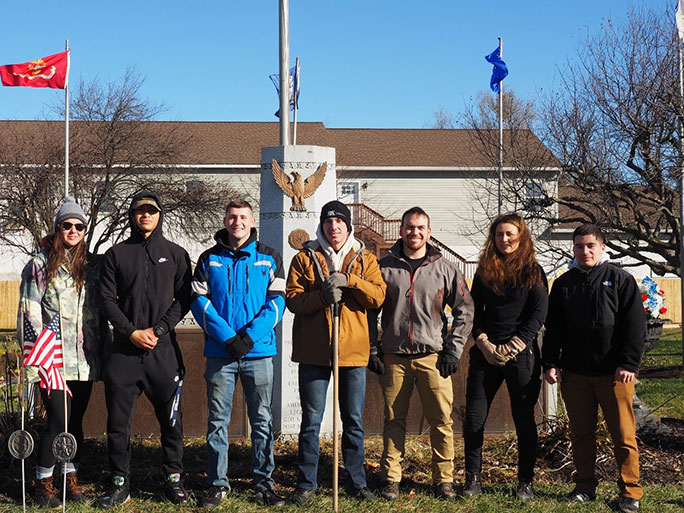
[(523, 380), (54, 407)]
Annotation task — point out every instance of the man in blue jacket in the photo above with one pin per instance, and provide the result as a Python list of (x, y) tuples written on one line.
[(238, 290)]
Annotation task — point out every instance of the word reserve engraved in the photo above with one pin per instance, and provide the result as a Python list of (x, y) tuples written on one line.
[(64, 447), (20, 444), (297, 238), (296, 187)]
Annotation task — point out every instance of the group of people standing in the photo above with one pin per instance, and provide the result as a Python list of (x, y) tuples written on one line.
[(595, 328)]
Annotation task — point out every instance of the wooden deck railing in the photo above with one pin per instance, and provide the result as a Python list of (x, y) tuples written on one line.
[(365, 218)]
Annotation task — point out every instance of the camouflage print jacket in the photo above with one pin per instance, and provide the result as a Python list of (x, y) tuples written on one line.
[(84, 332)]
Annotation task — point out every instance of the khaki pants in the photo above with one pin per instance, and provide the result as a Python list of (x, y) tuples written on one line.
[(437, 398), (582, 396)]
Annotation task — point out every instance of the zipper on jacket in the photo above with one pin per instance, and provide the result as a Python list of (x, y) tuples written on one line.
[(247, 278), (438, 304), (412, 280), (229, 271)]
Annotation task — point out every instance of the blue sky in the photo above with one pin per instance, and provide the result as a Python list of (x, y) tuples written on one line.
[(365, 63)]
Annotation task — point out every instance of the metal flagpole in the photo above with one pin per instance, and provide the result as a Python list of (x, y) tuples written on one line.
[(500, 130), (284, 72), (295, 89), (66, 125), (681, 184)]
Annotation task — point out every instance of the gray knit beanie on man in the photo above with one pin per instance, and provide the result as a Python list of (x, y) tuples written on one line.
[(69, 210)]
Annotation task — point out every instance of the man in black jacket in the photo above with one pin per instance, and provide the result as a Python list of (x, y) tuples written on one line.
[(145, 288), (595, 332)]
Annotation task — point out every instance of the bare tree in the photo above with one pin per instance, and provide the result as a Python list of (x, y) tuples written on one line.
[(528, 164), (613, 125), (116, 150), (441, 119)]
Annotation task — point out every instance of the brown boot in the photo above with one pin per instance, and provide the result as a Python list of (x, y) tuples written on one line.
[(45, 493), (73, 491)]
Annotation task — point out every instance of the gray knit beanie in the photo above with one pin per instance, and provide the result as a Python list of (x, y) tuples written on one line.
[(69, 210)]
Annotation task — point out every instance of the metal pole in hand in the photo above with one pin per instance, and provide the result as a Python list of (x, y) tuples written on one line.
[(336, 391)]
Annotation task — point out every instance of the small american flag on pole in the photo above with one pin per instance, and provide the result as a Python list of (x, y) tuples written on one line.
[(45, 352)]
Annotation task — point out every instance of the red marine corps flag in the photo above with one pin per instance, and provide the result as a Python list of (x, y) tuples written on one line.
[(51, 71)]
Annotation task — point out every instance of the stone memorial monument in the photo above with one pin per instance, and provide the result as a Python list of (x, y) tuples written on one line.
[(296, 181)]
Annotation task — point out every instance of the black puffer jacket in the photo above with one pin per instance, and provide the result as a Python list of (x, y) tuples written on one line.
[(596, 322), (144, 283)]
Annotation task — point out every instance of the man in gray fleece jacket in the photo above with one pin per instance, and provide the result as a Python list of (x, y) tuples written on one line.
[(417, 347)]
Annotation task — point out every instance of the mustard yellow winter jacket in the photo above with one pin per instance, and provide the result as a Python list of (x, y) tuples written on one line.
[(312, 328)]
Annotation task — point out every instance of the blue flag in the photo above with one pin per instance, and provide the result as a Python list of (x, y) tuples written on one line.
[(294, 88), (499, 71)]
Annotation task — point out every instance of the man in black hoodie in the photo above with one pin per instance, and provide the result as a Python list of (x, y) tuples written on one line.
[(145, 288), (595, 332)]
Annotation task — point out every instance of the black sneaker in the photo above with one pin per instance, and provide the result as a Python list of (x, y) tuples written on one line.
[(174, 490), (364, 494), (473, 485), (269, 497), (524, 493), (214, 496), (117, 494), (301, 496), (575, 497), (627, 505)]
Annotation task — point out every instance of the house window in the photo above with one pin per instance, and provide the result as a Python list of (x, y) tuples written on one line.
[(535, 197), (104, 196), (348, 192)]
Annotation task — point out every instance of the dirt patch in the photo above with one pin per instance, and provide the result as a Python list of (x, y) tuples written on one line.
[(674, 371)]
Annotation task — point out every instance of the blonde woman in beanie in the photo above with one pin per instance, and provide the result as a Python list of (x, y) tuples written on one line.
[(63, 278)]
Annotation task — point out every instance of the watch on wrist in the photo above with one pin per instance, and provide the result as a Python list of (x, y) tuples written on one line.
[(158, 331)]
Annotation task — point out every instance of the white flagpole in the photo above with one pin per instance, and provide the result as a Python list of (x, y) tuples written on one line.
[(66, 124), (284, 18), (500, 130), (681, 171), (295, 89)]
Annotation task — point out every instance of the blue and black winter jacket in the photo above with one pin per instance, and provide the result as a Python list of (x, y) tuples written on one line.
[(239, 291)]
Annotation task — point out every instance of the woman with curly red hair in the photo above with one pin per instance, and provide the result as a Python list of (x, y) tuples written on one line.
[(511, 297)]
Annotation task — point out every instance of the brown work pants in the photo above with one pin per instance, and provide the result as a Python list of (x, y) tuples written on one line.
[(437, 398), (582, 396)]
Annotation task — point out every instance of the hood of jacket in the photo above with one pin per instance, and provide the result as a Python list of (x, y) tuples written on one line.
[(605, 257), (222, 239)]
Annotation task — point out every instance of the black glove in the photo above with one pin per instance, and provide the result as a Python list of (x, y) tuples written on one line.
[(375, 363), (447, 362), (331, 293), (239, 345)]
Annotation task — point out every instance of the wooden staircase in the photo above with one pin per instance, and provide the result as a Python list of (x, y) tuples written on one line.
[(379, 235)]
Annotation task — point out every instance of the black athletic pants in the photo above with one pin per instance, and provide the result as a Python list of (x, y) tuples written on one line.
[(523, 380), (125, 377), (54, 407)]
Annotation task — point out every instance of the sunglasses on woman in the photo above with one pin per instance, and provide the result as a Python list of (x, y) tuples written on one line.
[(79, 226)]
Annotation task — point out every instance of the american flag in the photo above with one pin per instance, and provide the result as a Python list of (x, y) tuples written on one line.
[(45, 352)]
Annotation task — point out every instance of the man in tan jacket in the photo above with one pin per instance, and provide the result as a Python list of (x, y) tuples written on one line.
[(334, 269)]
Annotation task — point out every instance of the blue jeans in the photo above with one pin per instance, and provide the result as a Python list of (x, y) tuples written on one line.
[(256, 376), (313, 385)]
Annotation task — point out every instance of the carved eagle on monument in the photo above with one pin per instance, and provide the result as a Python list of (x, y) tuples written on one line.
[(296, 187)]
